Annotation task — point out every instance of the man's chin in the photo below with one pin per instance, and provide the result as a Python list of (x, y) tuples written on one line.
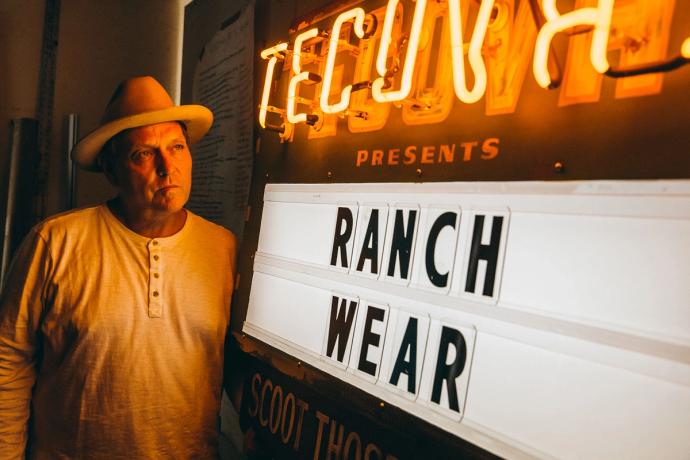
[(170, 206)]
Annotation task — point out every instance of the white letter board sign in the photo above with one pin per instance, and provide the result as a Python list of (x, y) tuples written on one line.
[(528, 326)]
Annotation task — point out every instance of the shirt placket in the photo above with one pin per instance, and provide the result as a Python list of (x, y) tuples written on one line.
[(155, 279)]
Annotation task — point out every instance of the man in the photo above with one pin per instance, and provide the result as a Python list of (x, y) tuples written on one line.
[(116, 315)]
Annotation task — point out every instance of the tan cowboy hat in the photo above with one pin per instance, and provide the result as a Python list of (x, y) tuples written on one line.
[(139, 101)]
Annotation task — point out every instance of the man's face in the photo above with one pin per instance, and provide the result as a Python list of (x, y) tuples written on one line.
[(153, 168)]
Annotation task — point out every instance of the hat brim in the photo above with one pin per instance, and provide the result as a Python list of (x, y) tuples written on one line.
[(197, 118)]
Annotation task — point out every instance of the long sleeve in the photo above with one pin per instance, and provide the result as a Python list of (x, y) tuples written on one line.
[(21, 307)]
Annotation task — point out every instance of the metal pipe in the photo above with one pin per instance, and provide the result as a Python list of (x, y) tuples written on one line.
[(20, 188), (72, 139)]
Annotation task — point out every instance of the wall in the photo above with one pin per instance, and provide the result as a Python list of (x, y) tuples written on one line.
[(100, 43), (21, 26)]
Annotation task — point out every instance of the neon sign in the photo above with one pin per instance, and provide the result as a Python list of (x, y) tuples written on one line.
[(410, 57), (299, 76), (272, 55), (599, 18), (390, 48)]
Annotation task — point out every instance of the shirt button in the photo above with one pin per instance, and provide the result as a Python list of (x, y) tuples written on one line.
[(155, 293), (154, 242), (156, 275), (155, 257)]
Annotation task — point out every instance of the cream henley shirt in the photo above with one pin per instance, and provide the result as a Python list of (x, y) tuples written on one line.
[(122, 336)]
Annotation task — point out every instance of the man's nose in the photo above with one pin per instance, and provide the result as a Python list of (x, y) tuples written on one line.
[(164, 164)]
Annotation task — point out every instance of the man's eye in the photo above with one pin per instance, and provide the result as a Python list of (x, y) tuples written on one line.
[(179, 146), (141, 154)]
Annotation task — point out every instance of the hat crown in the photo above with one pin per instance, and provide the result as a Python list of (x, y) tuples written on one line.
[(137, 102), (135, 96)]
